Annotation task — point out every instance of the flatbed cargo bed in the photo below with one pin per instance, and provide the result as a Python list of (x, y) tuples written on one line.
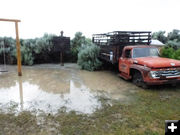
[(114, 42)]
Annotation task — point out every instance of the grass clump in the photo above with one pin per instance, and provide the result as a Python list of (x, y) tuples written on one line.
[(24, 123), (144, 116)]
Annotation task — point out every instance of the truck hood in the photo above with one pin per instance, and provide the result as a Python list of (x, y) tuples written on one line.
[(157, 62)]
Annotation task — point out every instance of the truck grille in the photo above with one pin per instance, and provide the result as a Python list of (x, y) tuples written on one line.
[(168, 73)]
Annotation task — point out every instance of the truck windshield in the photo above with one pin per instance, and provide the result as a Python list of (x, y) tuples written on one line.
[(145, 52)]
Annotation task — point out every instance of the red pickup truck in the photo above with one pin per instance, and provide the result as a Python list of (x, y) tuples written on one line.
[(143, 65), (137, 59)]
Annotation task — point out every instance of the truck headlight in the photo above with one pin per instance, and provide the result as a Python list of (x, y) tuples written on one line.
[(154, 74)]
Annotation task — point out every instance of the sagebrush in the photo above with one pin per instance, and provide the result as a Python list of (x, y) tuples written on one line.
[(88, 57), (31, 49)]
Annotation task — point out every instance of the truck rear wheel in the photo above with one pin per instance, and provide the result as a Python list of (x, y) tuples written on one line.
[(138, 80)]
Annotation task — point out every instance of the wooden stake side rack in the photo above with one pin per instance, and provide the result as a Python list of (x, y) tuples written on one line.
[(114, 42)]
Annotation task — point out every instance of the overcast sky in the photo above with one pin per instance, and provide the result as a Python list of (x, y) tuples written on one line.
[(88, 16)]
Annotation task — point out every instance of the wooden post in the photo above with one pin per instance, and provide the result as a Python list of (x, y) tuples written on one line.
[(61, 58), (18, 50)]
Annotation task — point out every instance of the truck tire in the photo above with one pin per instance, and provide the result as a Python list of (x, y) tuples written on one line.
[(138, 80)]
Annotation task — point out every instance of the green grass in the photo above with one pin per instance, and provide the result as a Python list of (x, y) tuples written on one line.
[(144, 116)]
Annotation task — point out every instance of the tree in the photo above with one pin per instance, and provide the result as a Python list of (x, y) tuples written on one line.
[(174, 44), (160, 35), (174, 35)]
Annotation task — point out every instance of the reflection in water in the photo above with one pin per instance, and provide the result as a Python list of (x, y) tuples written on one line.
[(34, 99), (21, 93), (49, 87)]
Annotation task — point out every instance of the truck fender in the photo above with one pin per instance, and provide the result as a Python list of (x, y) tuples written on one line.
[(142, 69)]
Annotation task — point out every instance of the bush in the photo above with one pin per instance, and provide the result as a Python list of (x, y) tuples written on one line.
[(76, 43), (88, 57), (8, 46), (36, 50), (27, 57), (170, 52), (167, 52), (176, 54), (32, 50), (39, 50)]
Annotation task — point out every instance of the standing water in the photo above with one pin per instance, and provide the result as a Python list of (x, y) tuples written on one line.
[(48, 88)]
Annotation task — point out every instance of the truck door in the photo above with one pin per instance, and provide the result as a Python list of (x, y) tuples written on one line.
[(125, 61)]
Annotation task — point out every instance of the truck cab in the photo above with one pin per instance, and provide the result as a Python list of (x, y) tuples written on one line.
[(144, 67)]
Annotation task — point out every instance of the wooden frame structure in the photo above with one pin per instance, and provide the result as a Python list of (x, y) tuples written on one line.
[(112, 43), (18, 50), (61, 45)]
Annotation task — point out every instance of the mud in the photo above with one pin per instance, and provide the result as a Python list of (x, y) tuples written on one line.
[(50, 87)]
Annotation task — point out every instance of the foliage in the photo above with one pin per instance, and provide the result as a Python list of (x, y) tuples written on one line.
[(77, 42), (88, 57), (26, 55), (174, 35), (160, 35), (34, 49), (31, 49), (176, 54), (172, 42), (167, 52), (7, 47), (170, 52), (172, 39), (38, 50)]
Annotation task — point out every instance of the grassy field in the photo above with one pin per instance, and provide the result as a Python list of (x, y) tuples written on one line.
[(144, 116)]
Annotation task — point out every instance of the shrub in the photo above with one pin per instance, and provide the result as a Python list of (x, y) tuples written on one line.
[(26, 55), (32, 50), (176, 54), (76, 43), (37, 49), (8, 46), (170, 52), (167, 52), (88, 57), (43, 49)]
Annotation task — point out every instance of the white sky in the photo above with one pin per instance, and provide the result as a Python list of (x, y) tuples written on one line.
[(88, 16)]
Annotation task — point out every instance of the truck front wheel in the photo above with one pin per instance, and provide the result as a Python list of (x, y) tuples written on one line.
[(138, 80)]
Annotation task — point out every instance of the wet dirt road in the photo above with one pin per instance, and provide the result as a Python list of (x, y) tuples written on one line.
[(49, 87)]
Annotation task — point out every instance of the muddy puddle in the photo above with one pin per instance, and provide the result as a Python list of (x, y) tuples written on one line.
[(50, 87)]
